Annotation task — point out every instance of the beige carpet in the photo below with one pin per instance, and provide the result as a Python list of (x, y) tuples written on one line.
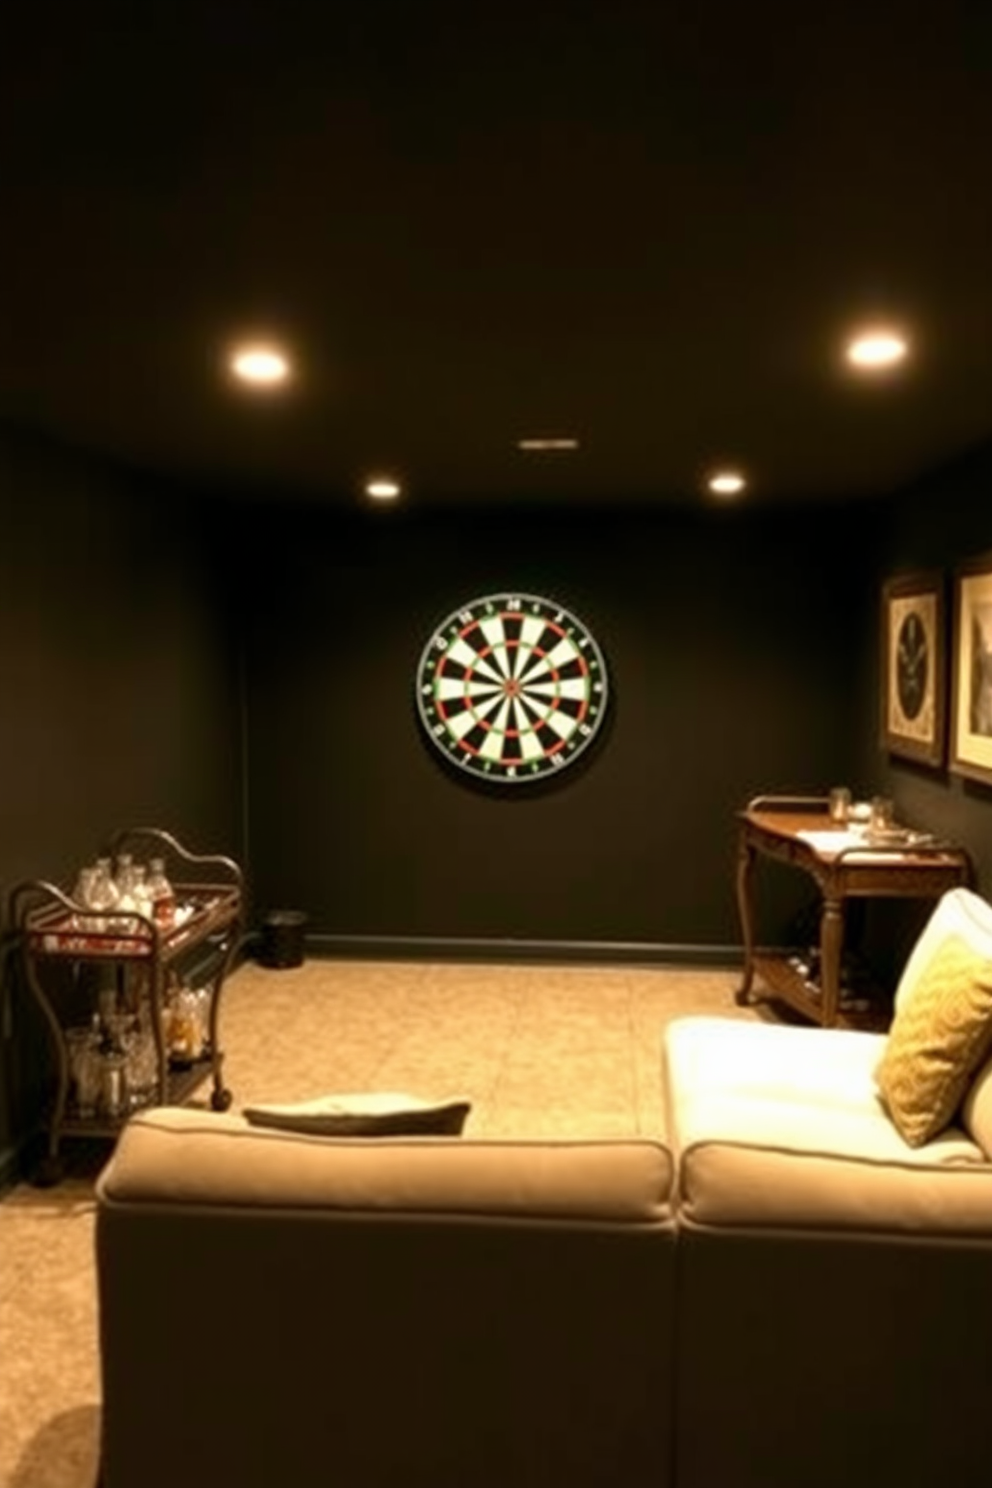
[(540, 1051)]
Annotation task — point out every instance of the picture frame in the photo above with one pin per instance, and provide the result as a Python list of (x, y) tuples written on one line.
[(914, 667), (971, 710)]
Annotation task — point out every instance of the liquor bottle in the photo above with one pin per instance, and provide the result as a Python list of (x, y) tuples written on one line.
[(141, 891), (103, 897), (163, 896), (124, 877)]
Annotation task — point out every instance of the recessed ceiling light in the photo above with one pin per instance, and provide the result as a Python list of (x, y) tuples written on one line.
[(876, 349), (383, 488), (259, 364), (544, 445), (726, 483)]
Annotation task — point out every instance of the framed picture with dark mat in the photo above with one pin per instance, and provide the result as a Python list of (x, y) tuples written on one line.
[(971, 732), (913, 672)]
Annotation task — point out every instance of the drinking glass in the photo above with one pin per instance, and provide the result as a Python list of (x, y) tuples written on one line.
[(882, 814), (85, 1067), (840, 803), (142, 1064), (113, 1084)]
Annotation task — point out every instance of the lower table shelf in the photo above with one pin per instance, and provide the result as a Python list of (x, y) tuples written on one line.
[(845, 866), (784, 981)]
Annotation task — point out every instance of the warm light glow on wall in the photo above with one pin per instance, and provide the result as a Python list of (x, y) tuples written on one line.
[(383, 488), (544, 446), (726, 483), (259, 364), (876, 350)]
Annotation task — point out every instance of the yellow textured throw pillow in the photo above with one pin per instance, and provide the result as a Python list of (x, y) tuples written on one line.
[(938, 1038)]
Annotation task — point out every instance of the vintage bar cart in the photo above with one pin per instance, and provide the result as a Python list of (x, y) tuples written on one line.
[(60, 941)]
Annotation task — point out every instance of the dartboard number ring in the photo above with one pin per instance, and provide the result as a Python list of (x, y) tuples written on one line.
[(511, 688)]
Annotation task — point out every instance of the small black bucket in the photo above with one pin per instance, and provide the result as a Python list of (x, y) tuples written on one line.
[(282, 939)]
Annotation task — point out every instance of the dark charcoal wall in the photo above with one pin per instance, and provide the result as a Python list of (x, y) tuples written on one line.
[(936, 525), (118, 688), (735, 641)]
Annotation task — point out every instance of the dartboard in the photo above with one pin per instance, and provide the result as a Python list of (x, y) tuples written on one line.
[(511, 687)]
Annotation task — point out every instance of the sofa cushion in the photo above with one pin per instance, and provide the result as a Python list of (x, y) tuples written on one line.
[(377, 1114), (779, 1126), (754, 1064), (185, 1156), (959, 913), (939, 1036), (976, 1113)]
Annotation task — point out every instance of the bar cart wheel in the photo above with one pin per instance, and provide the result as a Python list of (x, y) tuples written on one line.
[(220, 1100)]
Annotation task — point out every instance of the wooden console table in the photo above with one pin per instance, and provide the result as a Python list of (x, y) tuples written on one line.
[(844, 865)]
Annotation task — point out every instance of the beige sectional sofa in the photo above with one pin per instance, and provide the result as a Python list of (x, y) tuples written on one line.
[(791, 1297), (282, 1309), (834, 1286)]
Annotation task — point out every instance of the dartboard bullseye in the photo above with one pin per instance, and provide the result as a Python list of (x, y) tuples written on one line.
[(511, 688)]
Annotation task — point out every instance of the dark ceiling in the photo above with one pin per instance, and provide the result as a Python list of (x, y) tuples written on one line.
[(646, 225)]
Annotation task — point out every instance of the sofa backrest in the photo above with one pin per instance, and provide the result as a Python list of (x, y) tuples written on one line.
[(184, 1156), (290, 1309)]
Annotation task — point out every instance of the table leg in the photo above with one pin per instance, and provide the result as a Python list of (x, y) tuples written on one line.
[(831, 940), (745, 907)]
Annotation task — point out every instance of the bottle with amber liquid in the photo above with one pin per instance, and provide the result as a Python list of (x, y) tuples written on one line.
[(162, 895)]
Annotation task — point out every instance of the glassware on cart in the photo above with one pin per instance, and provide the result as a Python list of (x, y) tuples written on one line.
[(132, 899), (85, 1067), (140, 892), (92, 892), (163, 895), (204, 998), (124, 971), (124, 874), (113, 1084), (124, 882), (141, 1062), (104, 893), (184, 1023), (118, 1025), (82, 894)]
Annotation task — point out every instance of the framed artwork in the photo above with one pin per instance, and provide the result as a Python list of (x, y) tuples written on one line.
[(914, 667), (971, 712)]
